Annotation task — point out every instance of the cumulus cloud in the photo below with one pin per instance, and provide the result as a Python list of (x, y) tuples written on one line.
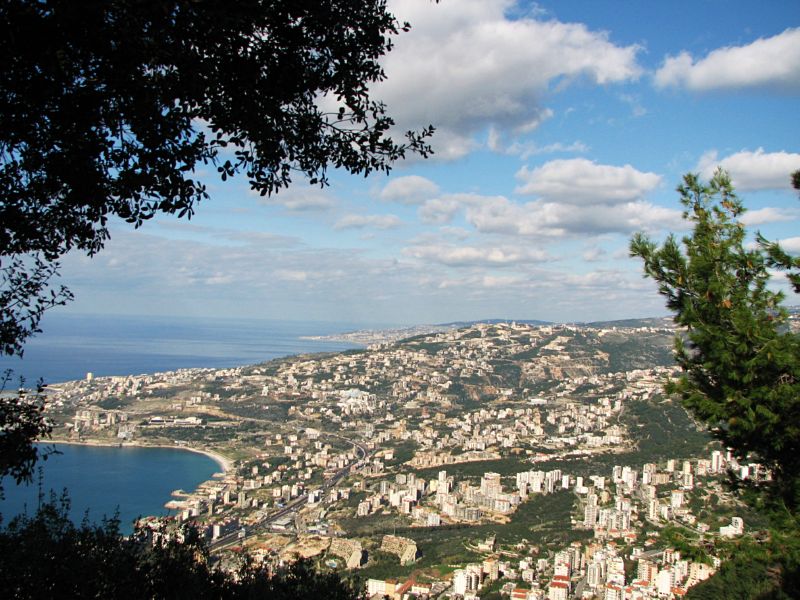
[(458, 233), (439, 210), (581, 181), (769, 214), (611, 210), (466, 66), (751, 171), (372, 221), (146, 273), (791, 244), (411, 189), (474, 256), (224, 236), (501, 216), (767, 62), (475, 285)]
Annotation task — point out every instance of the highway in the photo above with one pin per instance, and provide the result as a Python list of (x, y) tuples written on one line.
[(240, 535)]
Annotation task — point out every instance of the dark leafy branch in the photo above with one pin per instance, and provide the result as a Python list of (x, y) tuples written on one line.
[(110, 109), (21, 421)]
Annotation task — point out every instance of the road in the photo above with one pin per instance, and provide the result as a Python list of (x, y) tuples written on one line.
[(240, 535)]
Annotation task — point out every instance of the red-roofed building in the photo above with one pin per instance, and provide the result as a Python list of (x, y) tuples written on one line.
[(613, 592), (558, 590)]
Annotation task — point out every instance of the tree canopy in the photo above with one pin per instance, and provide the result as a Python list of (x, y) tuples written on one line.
[(740, 361), (110, 108), (21, 421), (48, 556)]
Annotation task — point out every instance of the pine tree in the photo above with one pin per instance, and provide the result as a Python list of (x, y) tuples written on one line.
[(740, 361)]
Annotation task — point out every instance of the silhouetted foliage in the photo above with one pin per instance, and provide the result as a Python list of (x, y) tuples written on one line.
[(21, 422), (47, 556), (26, 291), (756, 570), (108, 109)]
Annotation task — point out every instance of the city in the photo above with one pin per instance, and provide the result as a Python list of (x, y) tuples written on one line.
[(531, 461)]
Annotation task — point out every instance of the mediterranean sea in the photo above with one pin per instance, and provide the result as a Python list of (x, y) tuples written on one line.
[(70, 346)]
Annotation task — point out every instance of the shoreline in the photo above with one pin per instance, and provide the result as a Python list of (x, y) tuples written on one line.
[(226, 464)]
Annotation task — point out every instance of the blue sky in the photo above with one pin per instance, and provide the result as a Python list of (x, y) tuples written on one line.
[(562, 129)]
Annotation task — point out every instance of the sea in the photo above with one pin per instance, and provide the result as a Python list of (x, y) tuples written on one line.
[(108, 482), (70, 346), (103, 481)]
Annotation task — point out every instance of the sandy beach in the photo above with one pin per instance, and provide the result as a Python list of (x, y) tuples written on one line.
[(225, 463)]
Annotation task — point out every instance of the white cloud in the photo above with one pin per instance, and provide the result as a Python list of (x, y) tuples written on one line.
[(411, 189), (474, 256), (298, 198), (362, 221), (635, 102), (290, 275), (218, 278), (439, 210), (594, 254), (221, 235), (458, 233), (580, 181), (501, 216), (751, 171), (791, 244), (527, 149), (465, 66), (767, 62), (594, 216), (769, 214), (146, 273), (153, 274)]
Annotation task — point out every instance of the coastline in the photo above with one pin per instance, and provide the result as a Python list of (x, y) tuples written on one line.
[(226, 464)]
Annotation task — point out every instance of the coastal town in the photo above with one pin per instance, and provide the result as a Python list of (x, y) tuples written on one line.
[(493, 460)]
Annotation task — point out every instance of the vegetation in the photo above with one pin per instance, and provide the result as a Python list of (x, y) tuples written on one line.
[(741, 366), (625, 354), (403, 452), (21, 421), (741, 371), (507, 373), (662, 429), (95, 561), (749, 573), (112, 109), (684, 541), (777, 257)]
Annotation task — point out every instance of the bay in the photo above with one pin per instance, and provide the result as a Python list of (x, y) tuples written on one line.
[(101, 481)]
